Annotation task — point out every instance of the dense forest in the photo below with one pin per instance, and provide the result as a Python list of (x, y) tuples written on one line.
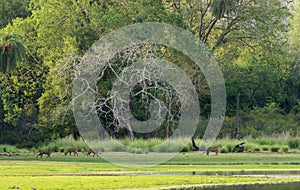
[(256, 44)]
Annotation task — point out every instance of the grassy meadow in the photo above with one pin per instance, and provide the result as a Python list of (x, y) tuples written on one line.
[(188, 169), (54, 173)]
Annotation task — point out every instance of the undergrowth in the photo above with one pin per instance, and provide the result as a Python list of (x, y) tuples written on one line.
[(262, 144)]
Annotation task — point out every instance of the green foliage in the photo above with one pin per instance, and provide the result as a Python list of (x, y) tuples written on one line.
[(275, 149), (12, 51), (20, 93), (259, 123), (143, 146), (249, 147), (61, 145), (26, 138), (249, 39), (11, 9), (294, 143), (4, 148), (265, 148), (285, 149), (224, 150), (220, 8), (185, 149), (295, 22)]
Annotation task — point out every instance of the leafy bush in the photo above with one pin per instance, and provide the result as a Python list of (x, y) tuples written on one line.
[(11, 149), (172, 145), (275, 149), (229, 148), (265, 148), (185, 149), (285, 149), (294, 143), (117, 148), (249, 147), (169, 146), (224, 150)]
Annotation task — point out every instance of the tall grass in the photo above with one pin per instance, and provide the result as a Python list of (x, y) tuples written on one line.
[(261, 144), (61, 145), (11, 149)]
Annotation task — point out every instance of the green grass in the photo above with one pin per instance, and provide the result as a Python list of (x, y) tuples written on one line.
[(82, 172), (140, 146), (127, 182), (196, 158), (71, 175)]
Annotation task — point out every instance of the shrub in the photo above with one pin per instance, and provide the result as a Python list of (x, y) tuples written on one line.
[(275, 149), (62, 149), (224, 150), (285, 149), (256, 149), (167, 147), (118, 148), (11, 149), (229, 148), (265, 148), (240, 149), (185, 149), (249, 147), (33, 149), (294, 143)]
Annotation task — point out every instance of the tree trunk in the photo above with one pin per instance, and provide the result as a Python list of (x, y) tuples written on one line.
[(169, 120), (130, 132), (237, 132)]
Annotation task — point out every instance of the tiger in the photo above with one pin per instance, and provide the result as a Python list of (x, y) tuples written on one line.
[(70, 150), (92, 151), (42, 152), (213, 149)]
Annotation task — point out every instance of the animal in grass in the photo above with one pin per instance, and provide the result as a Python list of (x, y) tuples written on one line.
[(239, 146), (46, 152), (72, 150), (195, 147), (92, 151), (213, 149)]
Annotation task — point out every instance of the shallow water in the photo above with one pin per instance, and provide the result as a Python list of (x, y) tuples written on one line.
[(285, 186), (265, 173)]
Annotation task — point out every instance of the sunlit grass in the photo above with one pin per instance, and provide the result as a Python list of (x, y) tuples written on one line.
[(20, 168), (83, 172), (128, 182), (79, 175)]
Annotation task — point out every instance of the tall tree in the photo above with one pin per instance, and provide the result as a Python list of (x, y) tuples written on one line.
[(220, 22), (11, 9), (11, 52), (293, 82)]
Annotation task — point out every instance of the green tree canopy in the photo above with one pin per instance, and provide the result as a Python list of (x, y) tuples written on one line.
[(11, 51), (11, 9)]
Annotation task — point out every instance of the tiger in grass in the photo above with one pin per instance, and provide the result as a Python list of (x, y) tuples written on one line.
[(213, 149), (46, 152)]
